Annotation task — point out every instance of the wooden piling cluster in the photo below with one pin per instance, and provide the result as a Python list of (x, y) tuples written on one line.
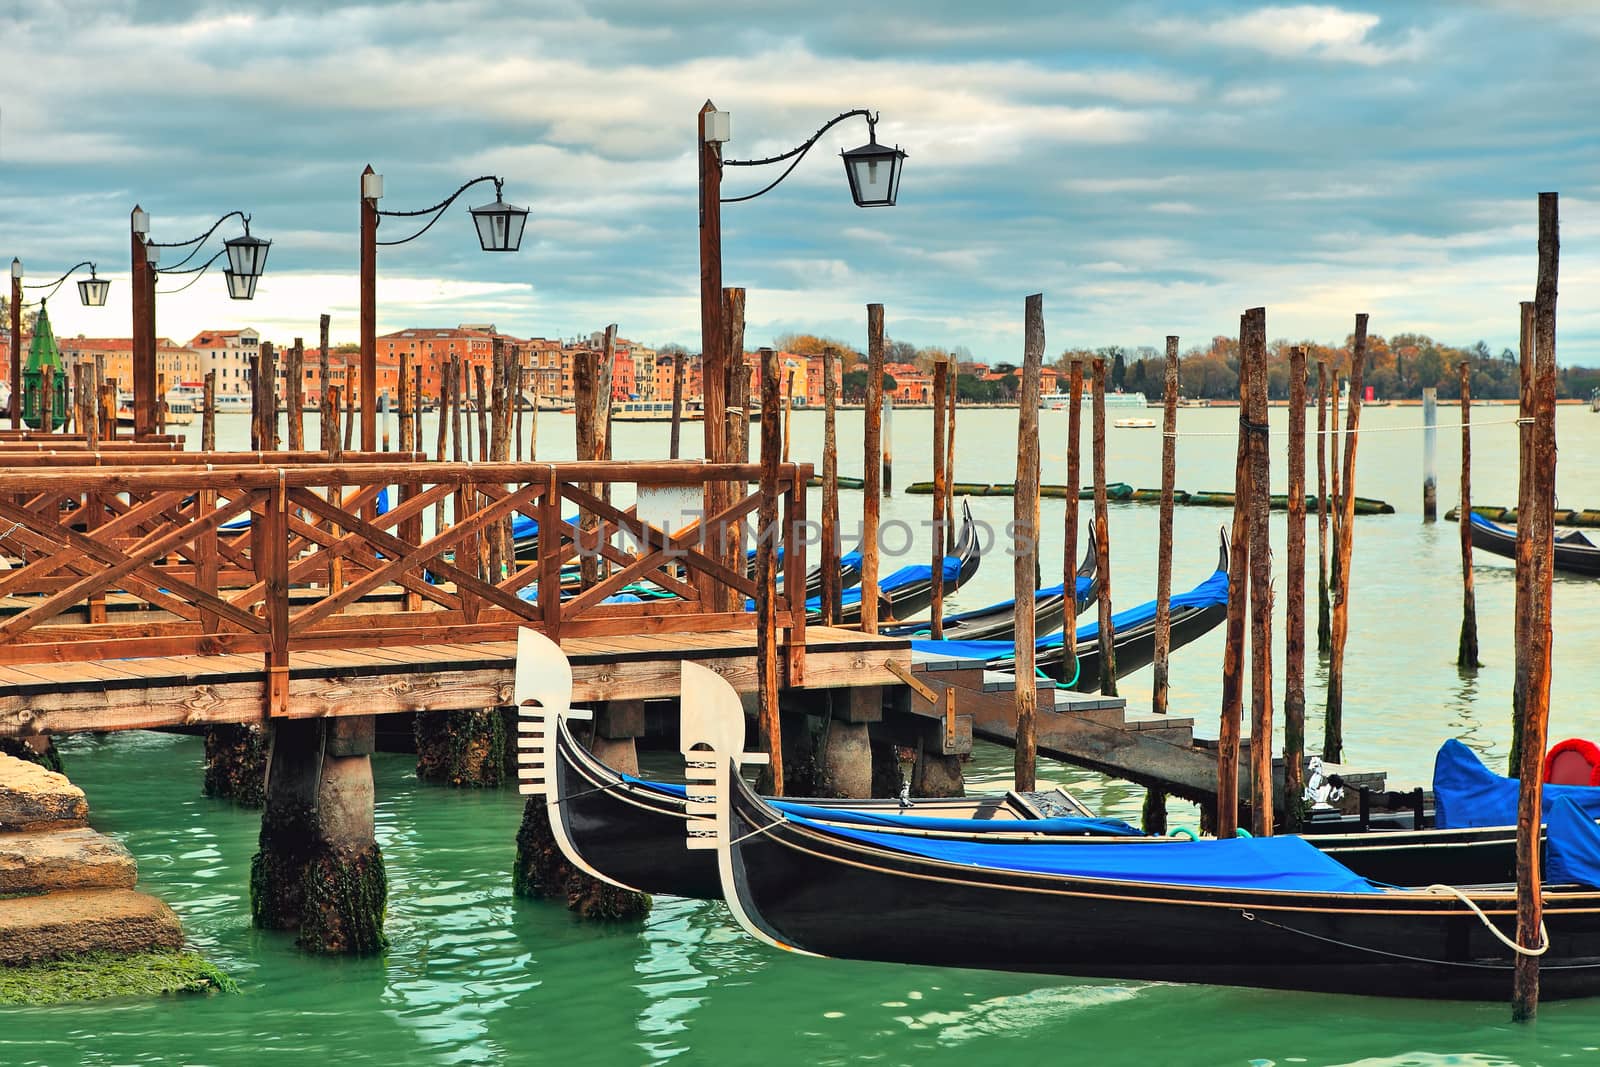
[(1535, 573), (832, 583), (770, 734), (1229, 727), (1467, 651), (1344, 531), (1102, 533)]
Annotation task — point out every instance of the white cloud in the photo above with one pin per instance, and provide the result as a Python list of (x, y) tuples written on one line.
[(1312, 31)]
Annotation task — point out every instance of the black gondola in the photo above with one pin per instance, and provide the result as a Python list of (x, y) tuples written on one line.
[(1089, 912), (1574, 553), (998, 622), (908, 592)]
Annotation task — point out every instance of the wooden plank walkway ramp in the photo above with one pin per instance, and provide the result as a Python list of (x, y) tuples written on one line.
[(1096, 732)]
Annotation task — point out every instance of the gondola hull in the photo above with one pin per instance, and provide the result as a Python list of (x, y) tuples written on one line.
[(1573, 555), (1134, 649), (809, 890)]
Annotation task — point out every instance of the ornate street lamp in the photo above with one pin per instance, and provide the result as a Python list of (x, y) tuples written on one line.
[(247, 259), (873, 171), (91, 291), (499, 227)]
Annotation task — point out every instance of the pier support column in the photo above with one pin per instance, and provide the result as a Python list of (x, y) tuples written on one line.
[(937, 775), (847, 764), (236, 764), (40, 749), (319, 869), (462, 748)]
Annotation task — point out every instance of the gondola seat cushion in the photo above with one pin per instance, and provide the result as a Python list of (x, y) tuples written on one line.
[(1574, 761)]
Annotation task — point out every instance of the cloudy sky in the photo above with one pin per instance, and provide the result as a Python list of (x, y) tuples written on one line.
[(1153, 168)]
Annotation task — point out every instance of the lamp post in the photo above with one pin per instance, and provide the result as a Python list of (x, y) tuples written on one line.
[(247, 259), (499, 227), (873, 171), (91, 292)]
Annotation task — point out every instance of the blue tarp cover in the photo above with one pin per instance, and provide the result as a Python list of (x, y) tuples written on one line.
[(1093, 827), (1468, 794), (1212, 592), (243, 521), (1279, 864), (919, 572), (1572, 855), (525, 526)]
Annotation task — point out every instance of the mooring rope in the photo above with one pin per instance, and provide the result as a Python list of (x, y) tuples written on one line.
[(1332, 431), (1544, 935), (759, 830), (1249, 916)]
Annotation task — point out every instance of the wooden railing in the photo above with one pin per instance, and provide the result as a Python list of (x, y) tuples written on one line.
[(273, 559)]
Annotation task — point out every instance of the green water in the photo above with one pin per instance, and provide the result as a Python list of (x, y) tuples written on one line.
[(475, 976)]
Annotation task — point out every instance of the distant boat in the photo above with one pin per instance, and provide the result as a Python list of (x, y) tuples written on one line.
[(1135, 424), (1118, 399), (655, 411)]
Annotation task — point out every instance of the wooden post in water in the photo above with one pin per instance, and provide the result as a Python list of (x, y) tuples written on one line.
[(98, 405), (1324, 619), (1025, 519), (269, 401), (208, 413), (352, 384), (769, 732), (408, 440), (1525, 452), (1260, 583), (255, 401), (888, 445), (1069, 562), (585, 407), (872, 470), (533, 415), (941, 382), (788, 409), (1535, 571), (296, 398), (1333, 724), (1294, 669), (482, 396), (831, 580), (47, 402), (1430, 448), (1229, 728), (950, 460), (1467, 654), (1102, 534), (1169, 445), (455, 407), (326, 414), (678, 359), (383, 419)]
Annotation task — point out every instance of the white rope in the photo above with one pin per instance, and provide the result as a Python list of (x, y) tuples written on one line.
[(1544, 935), (1365, 429), (758, 830)]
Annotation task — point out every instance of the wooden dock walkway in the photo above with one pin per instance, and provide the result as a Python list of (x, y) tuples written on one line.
[(195, 690)]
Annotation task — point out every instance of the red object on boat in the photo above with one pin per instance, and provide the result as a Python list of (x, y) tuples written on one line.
[(1572, 762)]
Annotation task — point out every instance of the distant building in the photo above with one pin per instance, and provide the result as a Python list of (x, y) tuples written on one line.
[(175, 364), (229, 353)]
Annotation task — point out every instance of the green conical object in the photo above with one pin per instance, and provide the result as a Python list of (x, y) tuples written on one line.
[(44, 352)]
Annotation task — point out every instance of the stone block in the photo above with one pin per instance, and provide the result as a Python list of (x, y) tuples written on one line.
[(90, 920), (45, 860), (352, 735), (32, 797), (618, 719), (859, 704)]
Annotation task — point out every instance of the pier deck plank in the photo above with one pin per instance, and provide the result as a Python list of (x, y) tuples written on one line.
[(191, 690)]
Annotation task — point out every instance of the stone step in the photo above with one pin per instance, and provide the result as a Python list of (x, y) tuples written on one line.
[(37, 861), (34, 798), (85, 920)]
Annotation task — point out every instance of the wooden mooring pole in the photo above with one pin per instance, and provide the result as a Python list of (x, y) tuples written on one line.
[(1333, 723), (1069, 564), (1229, 727), (327, 412), (673, 445), (1102, 533), (1467, 653), (208, 413), (296, 398), (1430, 448), (888, 445), (770, 734), (872, 470), (1324, 619), (1260, 583), (1535, 571), (1294, 642), (1525, 452), (831, 580), (941, 382), (1025, 518), (1169, 445), (950, 459)]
